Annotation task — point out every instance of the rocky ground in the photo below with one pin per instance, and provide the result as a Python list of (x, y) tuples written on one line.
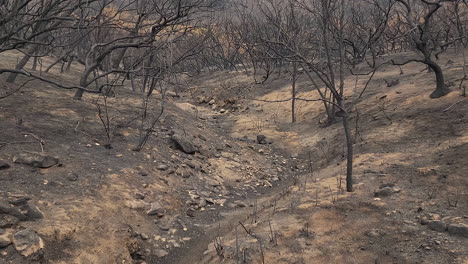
[(226, 178)]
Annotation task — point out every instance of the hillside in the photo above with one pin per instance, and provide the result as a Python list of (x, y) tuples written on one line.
[(232, 200)]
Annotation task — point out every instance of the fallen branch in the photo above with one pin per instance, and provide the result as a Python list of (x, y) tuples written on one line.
[(41, 141), (28, 74), (448, 108)]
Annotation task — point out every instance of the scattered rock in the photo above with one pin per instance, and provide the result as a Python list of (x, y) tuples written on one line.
[(386, 185), (4, 165), (222, 110), (160, 253), (140, 196), (241, 204), (373, 233), (386, 191), (18, 199), (5, 239), (261, 139), (156, 209), (438, 226), (35, 159), (184, 143), (28, 242), (190, 212), (220, 202), (32, 212), (172, 94), (11, 210), (458, 230), (7, 221), (144, 236), (72, 177), (163, 167), (164, 227), (392, 83)]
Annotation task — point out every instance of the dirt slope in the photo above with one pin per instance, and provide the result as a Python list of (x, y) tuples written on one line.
[(95, 201), (257, 203), (406, 141)]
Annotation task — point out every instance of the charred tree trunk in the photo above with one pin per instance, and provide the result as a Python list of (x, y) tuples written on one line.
[(12, 77), (34, 66), (293, 100), (441, 88)]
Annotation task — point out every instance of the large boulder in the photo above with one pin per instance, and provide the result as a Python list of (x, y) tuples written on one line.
[(23, 211), (9, 209), (184, 143), (36, 159), (28, 243)]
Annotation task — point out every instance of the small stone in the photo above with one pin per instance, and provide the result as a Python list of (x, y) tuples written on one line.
[(275, 179), (143, 173), (156, 209), (164, 227), (4, 165), (139, 196), (220, 202), (438, 226), (262, 140), (458, 230), (241, 204), (36, 159), (7, 221), (437, 242), (144, 236), (72, 177), (373, 233), (160, 253), (386, 185), (222, 110), (190, 212), (163, 167), (384, 192)]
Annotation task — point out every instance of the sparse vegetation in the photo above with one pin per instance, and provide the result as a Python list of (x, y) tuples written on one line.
[(233, 131)]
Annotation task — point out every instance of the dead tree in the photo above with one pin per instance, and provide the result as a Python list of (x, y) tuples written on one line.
[(419, 31)]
